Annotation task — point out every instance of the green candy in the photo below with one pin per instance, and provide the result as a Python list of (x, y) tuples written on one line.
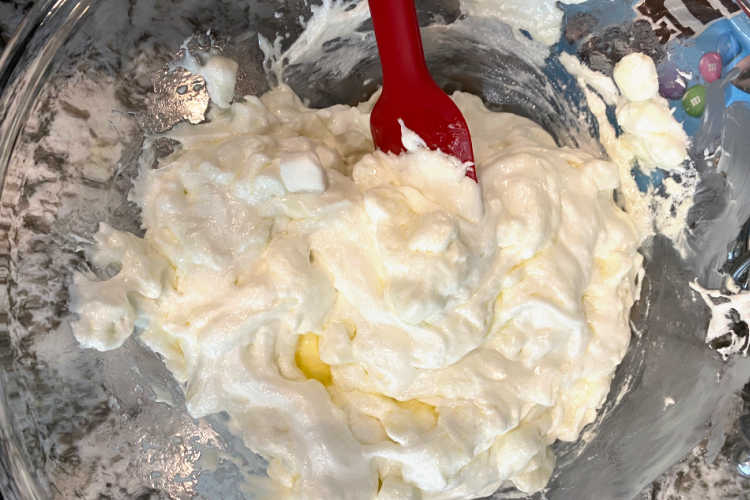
[(694, 100)]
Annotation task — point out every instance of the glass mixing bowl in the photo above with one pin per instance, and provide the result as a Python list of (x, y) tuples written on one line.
[(78, 113)]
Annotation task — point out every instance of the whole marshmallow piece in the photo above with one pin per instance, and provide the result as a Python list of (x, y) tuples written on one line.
[(636, 77), (301, 172), (220, 74)]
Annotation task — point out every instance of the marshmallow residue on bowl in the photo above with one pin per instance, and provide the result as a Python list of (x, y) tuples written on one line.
[(650, 139), (376, 326)]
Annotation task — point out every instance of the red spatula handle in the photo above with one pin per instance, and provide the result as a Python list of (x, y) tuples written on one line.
[(409, 93), (399, 42)]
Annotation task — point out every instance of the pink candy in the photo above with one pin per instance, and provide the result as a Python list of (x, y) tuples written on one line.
[(710, 66)]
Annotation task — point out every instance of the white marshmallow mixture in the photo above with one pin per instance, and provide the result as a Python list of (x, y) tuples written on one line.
[(380, 326), (376, 326)]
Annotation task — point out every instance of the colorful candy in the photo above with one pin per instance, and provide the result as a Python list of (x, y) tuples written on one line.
[(694, 100), (728, 47), (671, 84), (710, 66)]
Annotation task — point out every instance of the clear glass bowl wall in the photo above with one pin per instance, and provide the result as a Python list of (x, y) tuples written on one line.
[(84, 424)]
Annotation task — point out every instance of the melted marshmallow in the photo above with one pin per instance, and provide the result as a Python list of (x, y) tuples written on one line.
[(542, 19), (367, 318), (651, 135), (220, 74), (636, 77)]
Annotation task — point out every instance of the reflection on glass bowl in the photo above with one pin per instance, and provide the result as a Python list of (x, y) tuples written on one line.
[(78, 104)]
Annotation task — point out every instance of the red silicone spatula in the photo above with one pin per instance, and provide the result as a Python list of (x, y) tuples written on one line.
[(409, 92)]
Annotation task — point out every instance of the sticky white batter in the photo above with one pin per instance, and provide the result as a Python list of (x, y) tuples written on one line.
[(651, 138), (542, 19), (369, 319), (651, 135)]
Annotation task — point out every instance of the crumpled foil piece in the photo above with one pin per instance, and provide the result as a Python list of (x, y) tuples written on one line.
[(180, 95)]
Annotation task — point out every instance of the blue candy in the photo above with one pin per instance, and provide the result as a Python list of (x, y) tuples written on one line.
[(727, 46)]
